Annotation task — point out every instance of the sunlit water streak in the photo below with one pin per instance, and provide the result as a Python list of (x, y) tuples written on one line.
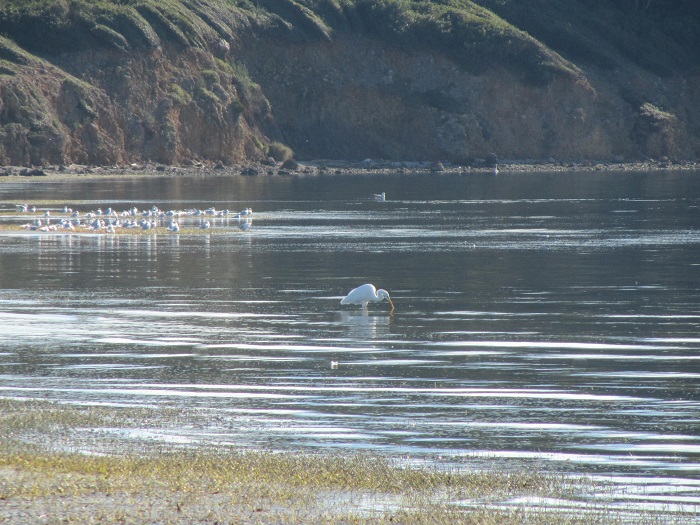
[(557, 329)]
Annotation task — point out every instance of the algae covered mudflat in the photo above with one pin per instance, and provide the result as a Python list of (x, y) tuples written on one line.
[(57, 463)]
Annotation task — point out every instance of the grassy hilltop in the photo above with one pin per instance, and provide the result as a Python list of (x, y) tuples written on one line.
[(173, 81)]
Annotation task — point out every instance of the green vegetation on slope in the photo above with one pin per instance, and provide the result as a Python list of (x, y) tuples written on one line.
[(477, 34), (661, 35), (466, 32)]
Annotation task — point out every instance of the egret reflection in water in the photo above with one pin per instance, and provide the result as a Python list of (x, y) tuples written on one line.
[(362, 325)]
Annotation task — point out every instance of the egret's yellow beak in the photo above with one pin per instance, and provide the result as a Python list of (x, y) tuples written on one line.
[(391, 303)]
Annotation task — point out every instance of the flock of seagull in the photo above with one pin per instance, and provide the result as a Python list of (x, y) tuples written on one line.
[(108, 220)]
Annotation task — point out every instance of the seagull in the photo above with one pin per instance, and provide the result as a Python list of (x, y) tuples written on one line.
[(366, 293)]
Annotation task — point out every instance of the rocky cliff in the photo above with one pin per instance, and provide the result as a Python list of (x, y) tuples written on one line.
[(230, 82)]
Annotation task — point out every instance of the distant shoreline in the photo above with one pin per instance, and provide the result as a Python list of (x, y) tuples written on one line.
[(334, 167)]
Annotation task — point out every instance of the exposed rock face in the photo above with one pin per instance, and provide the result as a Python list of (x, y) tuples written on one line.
[(102, 107)]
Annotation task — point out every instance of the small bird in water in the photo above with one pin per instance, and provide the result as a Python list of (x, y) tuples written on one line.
[(366, 293), (380, 197)]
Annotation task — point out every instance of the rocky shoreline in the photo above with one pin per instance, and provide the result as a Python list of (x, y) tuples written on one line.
[(334, 167)]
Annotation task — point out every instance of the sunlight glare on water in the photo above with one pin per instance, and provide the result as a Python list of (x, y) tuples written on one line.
[(540, 318)]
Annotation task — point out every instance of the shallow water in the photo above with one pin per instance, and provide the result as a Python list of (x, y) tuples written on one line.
[(547, 318)]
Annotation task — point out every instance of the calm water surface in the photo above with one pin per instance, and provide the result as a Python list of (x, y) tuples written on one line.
[(546, 318)]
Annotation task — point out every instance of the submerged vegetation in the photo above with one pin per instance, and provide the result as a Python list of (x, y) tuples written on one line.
[(54, 456)]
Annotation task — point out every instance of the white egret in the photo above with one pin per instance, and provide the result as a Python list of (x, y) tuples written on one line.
[(366, 293)]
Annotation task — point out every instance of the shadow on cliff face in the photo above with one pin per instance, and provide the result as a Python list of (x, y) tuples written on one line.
[(357, 98)]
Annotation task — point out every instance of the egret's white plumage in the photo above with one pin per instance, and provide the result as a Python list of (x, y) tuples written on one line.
[(366, 293)]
